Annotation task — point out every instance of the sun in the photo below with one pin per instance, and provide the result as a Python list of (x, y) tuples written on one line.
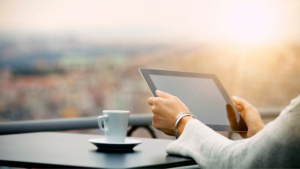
[(249, 22)]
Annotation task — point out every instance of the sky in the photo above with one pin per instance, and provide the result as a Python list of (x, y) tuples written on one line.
[(245, 21)]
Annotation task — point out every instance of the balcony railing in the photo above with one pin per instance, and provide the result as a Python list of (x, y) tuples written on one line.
[(135, 121)]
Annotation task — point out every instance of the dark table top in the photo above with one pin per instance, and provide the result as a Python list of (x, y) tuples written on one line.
[(53, 149)]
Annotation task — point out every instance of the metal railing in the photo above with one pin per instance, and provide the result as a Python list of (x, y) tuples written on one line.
[(135, 121), (66, 124)]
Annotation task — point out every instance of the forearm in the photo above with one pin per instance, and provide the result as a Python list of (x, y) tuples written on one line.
[(197, 141), (274, 146)]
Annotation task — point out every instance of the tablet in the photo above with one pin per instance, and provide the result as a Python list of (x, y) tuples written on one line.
[(202, 93)]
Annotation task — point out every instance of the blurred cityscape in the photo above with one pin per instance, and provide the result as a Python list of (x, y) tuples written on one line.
[(43, 77)]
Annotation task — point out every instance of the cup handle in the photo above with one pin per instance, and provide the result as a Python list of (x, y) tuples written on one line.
[(105, 129)]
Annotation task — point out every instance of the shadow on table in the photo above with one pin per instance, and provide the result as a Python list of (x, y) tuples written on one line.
[(115, 152)]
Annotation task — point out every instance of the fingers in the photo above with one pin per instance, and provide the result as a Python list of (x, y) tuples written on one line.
[(239, 108), (150, 101), (163, 94), (154, 122), (155, 101), (231, 116), (235, 100), (230, 111), (240, 103), (160, 94)]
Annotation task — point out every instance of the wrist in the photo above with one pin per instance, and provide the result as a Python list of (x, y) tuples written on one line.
[(182, 123), (261, 126), (256, 128)]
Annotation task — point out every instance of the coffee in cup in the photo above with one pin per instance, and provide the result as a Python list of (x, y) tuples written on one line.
[(114, 123)]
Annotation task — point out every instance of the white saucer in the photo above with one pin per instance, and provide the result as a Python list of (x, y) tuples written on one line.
[(103, 145)]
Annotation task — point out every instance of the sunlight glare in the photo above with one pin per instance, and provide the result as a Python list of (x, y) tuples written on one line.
[(249, 22)]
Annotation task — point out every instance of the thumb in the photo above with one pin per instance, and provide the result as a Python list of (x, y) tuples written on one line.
[(241, 102), (163, 94)]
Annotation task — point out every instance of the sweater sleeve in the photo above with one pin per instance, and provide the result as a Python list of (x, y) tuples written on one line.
[(277, 145)]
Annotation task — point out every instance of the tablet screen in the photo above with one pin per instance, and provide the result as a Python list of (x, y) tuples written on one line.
[(200, 95)]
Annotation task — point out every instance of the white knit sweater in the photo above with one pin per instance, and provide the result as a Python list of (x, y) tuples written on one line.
[(277, 145)]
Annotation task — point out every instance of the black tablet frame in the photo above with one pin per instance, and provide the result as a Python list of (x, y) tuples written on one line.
[(240, 127)]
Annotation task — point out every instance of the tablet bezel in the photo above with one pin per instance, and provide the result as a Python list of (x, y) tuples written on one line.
[(146, 75)]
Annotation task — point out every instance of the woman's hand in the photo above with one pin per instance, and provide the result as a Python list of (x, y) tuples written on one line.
[(250, 115), (165, 109)]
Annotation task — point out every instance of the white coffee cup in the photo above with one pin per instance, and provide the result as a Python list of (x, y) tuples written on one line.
[(115, 125)]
